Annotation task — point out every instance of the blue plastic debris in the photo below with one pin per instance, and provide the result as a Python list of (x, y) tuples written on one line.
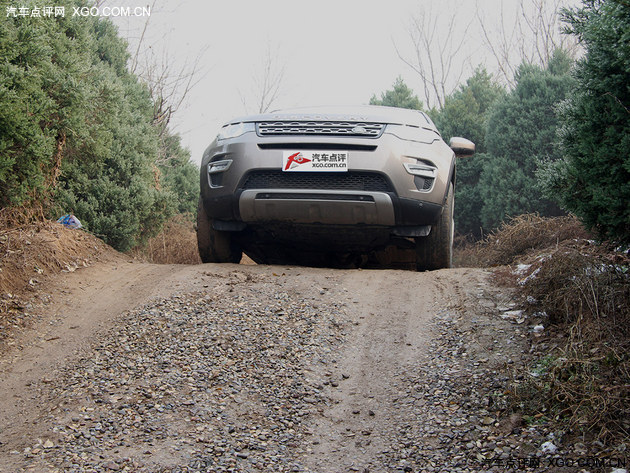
[(70, 221)]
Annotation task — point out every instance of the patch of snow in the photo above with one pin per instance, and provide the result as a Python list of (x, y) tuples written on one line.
[(548, 447), (533, 275)]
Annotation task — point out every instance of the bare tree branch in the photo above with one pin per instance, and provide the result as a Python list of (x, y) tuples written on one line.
[(530, 36), (268, 81), (439, 57), (134, 59), (169, 81), (169, 88)]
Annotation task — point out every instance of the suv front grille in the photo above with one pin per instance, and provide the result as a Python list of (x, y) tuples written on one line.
[(327, 128), (351, 181)]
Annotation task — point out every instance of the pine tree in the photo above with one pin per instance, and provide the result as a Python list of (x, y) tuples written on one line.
[(522, 131), (465, 114), (593, 177), (400, 96)]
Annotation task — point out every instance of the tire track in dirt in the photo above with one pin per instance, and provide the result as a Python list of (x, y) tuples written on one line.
[(392, 311)]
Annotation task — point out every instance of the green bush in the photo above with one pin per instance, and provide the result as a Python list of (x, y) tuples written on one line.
[(592, 179), (77, 131), (521, 132)]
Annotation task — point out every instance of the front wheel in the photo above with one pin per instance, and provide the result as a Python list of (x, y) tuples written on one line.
[(435, 251), (215, 246)]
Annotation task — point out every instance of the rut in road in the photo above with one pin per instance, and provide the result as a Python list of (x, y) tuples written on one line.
[(392, 312)]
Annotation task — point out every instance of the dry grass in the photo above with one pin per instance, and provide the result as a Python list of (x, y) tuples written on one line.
[(518, 237), (585, 291), (581, 292), (466, 253), (175, 244)]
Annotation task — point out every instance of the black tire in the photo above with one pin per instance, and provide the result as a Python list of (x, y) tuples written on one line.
[(435, 251), (215, 246)]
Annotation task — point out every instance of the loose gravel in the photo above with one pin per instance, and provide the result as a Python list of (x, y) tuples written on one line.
[(194, 383)]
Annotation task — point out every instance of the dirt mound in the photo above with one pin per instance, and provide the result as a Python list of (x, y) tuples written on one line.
[(31, 254)]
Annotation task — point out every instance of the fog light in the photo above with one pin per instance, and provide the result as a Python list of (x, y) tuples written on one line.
[(219, 166)]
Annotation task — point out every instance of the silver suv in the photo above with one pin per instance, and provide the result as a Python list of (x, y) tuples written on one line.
[(362, 186)]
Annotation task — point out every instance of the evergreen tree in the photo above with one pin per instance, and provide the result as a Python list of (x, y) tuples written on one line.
[(399, 96), (76, 128), (521, 131), (465, 114), (179, 174), (108, 178), (465, 110), (38, 102), (593, 177)]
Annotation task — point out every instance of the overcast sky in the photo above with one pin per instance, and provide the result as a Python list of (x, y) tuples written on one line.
[(332, 51)]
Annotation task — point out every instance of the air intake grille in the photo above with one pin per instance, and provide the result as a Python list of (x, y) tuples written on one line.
[(423, 183), (328, 128), (355, 181)]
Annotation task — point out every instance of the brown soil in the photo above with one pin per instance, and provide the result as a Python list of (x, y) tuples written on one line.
[(31, 256)]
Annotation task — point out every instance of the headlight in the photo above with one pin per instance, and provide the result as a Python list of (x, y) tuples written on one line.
[(234, 130), (412, 133)]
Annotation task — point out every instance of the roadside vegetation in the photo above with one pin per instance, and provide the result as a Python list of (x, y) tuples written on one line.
[(553, 140), (175, 244), (546, 201), (577, 291), (81, 134)]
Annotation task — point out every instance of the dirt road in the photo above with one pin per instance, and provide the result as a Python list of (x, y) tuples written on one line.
[(138, 367)]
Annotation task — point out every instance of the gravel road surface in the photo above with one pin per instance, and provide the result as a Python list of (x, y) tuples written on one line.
[(231, 368)]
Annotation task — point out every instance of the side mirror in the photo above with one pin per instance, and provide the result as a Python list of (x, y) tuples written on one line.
[(462, 147)]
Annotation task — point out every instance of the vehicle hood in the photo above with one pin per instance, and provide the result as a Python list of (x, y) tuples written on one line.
[(361, 113)]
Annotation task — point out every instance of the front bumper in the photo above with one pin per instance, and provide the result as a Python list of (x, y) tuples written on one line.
[(403, 203), (317, 206)]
